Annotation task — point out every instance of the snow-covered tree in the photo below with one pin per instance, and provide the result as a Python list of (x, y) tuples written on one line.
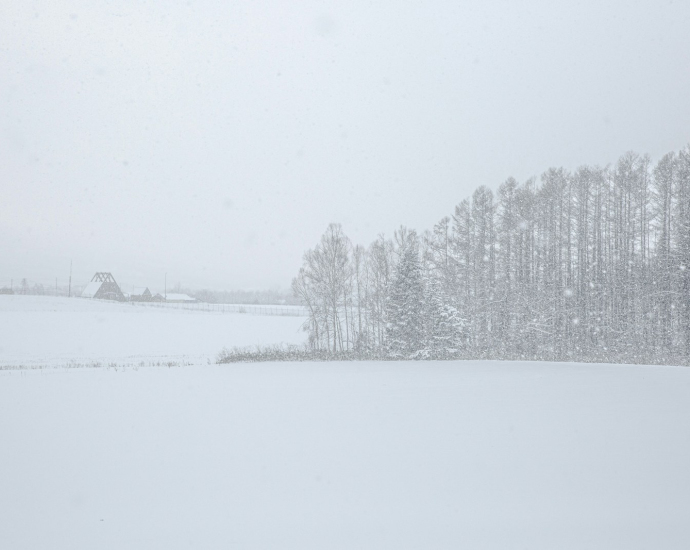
[(592, 264), (405, 328)]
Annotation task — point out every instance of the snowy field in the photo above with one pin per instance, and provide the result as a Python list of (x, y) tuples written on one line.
[(51, 331), (479, 455)]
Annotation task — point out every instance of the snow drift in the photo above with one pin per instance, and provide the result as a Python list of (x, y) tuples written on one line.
[(346, 455)]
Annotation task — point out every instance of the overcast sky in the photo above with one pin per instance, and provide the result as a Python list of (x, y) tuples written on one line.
[(215, 141)]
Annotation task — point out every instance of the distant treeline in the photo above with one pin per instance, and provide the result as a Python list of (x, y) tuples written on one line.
[(249, 297), (28, 287), (590, 265)]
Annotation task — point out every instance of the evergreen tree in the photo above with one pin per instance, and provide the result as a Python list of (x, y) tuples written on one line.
[(405, 329), (591, 265), (445, 329)]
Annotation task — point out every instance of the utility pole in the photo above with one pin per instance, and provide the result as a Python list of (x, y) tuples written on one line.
[(165, 292), (69, 292), (55, 286)]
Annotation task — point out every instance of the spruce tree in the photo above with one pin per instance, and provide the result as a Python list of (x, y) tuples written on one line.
[(405, 329), (445, 329)]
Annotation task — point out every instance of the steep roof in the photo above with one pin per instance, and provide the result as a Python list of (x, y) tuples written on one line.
[(91, 289), (146, 292), (104, 287)]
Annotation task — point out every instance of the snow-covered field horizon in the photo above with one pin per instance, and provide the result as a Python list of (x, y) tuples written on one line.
[(49, 331), (463, 454)]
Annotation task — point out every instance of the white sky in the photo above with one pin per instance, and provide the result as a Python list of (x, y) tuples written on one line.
[(215, 141)]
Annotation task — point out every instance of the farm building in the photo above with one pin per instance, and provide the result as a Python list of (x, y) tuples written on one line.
[(145, 296), (103, 287)]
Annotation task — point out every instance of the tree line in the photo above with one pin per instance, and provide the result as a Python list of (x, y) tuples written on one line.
[(590, 265)]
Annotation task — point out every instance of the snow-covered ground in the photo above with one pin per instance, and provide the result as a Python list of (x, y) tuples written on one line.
[(484, 455), (53, 331)]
